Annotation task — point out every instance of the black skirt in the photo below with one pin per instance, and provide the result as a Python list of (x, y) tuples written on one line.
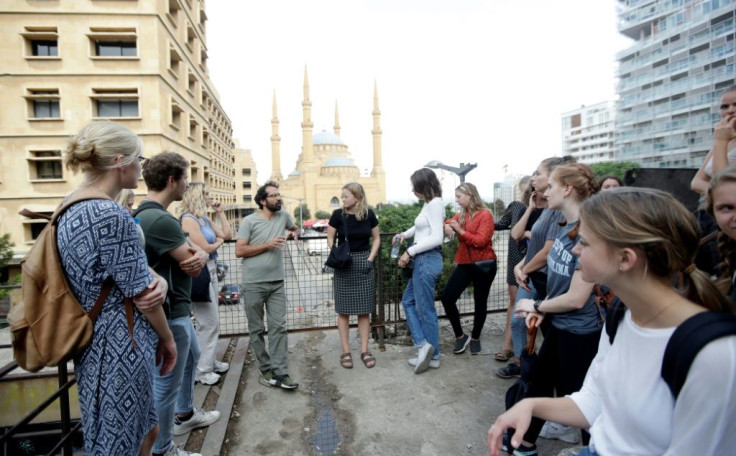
[(355, 286)]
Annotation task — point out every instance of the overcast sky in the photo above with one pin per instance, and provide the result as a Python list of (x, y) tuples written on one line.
[(474, 81)]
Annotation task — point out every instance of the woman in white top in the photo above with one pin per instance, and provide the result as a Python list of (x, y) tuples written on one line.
[(723, 152), (426, 254), (635, 241)]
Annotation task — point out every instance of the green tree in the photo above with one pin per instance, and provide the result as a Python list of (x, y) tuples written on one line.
[(6, 253), (498, 208), (396, 218), (321, 215), (617, 169), (302, 213)]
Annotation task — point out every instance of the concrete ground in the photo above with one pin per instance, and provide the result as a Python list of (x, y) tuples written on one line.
[(387, 410)]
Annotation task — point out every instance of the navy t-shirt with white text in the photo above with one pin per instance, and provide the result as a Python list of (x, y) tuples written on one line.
[(561, 265)]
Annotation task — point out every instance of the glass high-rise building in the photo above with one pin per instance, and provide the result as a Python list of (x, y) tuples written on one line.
[(671, 78)]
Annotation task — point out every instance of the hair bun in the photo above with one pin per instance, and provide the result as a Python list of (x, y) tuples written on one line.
[(79, 151)]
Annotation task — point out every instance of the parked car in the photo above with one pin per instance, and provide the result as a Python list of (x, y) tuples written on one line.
[(229, 294), (221, 270)]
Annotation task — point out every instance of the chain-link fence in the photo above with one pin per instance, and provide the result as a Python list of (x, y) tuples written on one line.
[(310, 299)]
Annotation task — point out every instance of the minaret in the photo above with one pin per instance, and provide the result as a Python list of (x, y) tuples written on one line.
[(275, 144), (378, 173), (337, 121), (307, 125), (377, 162)]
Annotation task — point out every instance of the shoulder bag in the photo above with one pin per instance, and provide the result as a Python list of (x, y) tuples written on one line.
[(339, 257)]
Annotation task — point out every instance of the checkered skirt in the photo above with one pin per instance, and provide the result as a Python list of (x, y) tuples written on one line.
[(355, 286)]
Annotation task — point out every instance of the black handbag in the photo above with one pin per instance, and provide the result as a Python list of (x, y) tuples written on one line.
[(339, 257), (201, 283), (484, 265), (201, 286)]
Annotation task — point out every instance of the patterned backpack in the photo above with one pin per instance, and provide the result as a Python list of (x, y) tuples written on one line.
[(50, 326)]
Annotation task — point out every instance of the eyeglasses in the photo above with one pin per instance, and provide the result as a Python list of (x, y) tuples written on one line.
[(275, 195)]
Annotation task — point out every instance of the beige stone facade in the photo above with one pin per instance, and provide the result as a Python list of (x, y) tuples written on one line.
[(325, 164), (142, 63), (246, 183)]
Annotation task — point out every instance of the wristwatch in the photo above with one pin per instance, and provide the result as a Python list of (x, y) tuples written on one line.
[(537, 303)]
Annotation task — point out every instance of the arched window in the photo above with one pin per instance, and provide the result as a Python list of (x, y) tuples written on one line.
[(334, 203)]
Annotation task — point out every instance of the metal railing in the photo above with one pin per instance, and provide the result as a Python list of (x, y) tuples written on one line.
[(309, 291), (65, 429)]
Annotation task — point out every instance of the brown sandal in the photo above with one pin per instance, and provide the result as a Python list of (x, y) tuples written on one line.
[(367, 357), (504, 355), (346, 360)]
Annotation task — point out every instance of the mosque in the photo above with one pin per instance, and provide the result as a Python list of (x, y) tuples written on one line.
[(325, 164)]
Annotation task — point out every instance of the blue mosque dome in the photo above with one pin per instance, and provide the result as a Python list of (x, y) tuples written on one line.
[(339, 161), (326, 137)]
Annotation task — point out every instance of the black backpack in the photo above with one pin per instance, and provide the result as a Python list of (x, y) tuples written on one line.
[(684, 344)]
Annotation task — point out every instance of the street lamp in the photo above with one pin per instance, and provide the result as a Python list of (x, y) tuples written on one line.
[(461, 171), (301, 218)]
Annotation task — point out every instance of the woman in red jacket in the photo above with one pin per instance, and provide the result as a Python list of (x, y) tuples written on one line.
[(475, 261)]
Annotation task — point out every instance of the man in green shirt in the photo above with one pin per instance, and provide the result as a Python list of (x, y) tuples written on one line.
[(177, 260), (260, 241)]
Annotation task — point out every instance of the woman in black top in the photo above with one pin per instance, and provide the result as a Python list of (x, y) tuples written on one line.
[(516, 252), (355, 286)]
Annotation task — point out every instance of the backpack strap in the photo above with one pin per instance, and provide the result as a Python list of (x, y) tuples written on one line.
[(614, 315), (145, 205), (97, 308), (686, 342)]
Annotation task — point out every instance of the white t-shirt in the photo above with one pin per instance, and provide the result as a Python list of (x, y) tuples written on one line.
[(632, 411), (428, 229), (708, 170)]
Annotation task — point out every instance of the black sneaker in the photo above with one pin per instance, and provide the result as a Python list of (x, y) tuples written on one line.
[(284, 381), (521, 451), (461, 344), (474, 346), (511, 370)]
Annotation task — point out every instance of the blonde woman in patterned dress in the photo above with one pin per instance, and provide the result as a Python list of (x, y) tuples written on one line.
[(97, 240)]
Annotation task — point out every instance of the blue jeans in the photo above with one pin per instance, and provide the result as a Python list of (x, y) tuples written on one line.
[(418, 300), (586, 452), (174, 392), (518, 325)]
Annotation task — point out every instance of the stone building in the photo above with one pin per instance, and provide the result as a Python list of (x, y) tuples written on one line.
[(325, 163), (140, 63), (246, 177)]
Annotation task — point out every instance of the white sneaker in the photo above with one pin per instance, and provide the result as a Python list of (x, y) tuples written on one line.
[(434, 364), (206, 378), (199, 419), (176, 451), (552, 430), (424, 357), (221, 367)]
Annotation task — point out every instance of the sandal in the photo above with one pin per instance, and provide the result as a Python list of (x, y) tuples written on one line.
[(504, 355), (346, 360), (367, 357)]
